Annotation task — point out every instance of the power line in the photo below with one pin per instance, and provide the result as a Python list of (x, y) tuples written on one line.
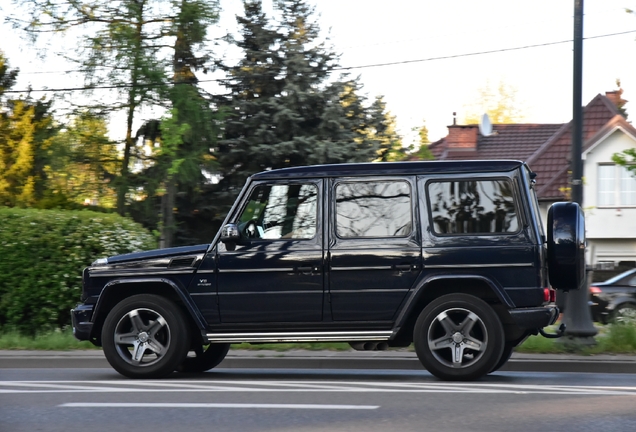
[(478, 52), (402, 62)]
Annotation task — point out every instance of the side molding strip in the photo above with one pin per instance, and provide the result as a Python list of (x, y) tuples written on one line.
[(299, 336)]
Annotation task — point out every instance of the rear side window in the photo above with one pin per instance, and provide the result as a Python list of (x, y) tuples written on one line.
[(473, 207), (373, 209)]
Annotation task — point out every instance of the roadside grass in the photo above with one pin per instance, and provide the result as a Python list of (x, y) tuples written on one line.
[(58, 340), (611, 339)]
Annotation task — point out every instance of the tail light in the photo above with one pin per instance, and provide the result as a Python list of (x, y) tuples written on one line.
[(595, 290), (549, 295)]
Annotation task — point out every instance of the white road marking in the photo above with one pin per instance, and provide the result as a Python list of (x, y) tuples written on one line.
[(291, 386), (216, 405)]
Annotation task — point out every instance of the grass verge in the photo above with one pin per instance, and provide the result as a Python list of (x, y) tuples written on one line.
[(611, 339), (59, 340)]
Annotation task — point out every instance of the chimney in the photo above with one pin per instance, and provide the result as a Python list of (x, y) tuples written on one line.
[(462, 138), (616, 98)]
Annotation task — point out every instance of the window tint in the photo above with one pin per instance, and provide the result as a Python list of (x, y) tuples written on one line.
[(373, 209), (281, 211), (473, 207)]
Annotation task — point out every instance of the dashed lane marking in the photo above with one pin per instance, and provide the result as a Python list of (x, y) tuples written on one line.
[(217, 405)]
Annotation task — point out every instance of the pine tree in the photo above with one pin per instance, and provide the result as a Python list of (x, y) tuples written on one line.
[(284, 108)]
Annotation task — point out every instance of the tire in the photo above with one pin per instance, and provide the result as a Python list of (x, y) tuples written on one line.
[(145, 336), (204, 360), (458, 337), (624, 314), (505, 356), (566, 246)]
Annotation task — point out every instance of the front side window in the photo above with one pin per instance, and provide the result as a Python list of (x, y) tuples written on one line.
[(280, 212), (473, 207), (373, 209)]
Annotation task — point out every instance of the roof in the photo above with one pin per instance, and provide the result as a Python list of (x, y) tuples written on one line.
[(551, 161), (546, 148), (391, 168), (509, 141)]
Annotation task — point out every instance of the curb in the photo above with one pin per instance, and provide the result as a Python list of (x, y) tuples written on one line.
[(353, 360)]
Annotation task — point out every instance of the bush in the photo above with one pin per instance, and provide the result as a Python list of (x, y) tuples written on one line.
[(42, 255)]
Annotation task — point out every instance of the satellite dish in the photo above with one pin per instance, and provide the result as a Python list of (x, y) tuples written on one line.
[(485, 127)]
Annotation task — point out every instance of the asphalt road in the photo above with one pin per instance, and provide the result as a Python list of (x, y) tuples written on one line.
[(244, 399), (303, 359)]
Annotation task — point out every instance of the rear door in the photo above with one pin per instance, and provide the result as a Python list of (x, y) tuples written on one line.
[(374, 251)]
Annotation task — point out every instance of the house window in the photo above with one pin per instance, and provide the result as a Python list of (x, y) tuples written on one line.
[(628, 187), (616, 186)]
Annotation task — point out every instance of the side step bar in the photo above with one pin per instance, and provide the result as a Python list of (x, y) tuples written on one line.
[(299, 337)]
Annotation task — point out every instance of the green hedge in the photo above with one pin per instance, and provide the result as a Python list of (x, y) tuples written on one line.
[(42, 254)]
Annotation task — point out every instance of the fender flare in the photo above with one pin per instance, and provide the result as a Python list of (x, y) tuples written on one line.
[(115, 284), (421, 289)]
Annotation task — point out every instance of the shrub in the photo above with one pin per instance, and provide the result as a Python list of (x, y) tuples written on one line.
[(42, 254)]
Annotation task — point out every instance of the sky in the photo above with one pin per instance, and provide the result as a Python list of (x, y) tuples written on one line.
[(444, 53)]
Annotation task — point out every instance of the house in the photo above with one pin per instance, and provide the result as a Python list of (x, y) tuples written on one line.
[(609, 192)]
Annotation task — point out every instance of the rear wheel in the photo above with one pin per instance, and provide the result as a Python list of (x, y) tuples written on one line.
[(459, 337), (145, 336), (505, 356), (201, 359)]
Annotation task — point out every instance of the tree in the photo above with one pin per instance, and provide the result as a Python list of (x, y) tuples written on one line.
[(26, 128), (83, 165), (283, 106), (500, 104), (126, 46), (182, 140), (627, 159), (420, 151)]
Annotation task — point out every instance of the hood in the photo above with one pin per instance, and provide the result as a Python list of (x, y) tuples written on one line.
[(158, 253)]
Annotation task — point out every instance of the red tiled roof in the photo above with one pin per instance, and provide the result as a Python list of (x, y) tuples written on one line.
[(509, 141), (545, 147), (552, 161)]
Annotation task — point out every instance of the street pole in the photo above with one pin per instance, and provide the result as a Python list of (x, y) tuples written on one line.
[(579, 327)]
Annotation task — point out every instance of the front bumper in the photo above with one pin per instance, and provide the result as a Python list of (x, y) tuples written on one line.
[(81, 319), (535, 318)]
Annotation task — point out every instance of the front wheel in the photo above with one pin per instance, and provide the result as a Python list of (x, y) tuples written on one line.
[(459, 337), (204, 358), (625, 314), (145, 336)]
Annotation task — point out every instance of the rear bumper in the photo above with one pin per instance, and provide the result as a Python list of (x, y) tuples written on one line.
[(81, 319), (535, 318)]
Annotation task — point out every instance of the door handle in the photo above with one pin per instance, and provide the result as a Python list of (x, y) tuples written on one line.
[(404, 267)]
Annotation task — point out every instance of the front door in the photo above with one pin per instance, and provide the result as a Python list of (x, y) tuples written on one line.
[(278, 275)]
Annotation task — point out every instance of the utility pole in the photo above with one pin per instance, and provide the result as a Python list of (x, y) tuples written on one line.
[(579, 327)]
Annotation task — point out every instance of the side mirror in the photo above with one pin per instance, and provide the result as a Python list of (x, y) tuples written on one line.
[(230, 233)]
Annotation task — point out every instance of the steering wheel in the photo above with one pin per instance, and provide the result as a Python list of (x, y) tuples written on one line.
[(250, 230)]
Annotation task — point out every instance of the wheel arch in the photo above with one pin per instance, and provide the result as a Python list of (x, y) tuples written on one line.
[(119, 289), (437, 285)]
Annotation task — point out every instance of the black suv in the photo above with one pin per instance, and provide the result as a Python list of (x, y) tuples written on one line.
[(450, 256)]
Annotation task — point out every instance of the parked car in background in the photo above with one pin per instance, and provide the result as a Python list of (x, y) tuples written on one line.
[(614, 299)]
